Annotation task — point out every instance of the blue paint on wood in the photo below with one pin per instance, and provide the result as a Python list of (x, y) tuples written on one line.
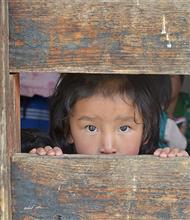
[(33, 42), (56, 40), (154, 41), (37, 201), (71, 46), (85, 42)]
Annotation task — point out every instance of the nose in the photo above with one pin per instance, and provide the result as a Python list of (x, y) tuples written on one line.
[(107, 144)]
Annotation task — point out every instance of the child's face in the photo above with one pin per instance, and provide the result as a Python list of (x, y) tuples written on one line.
[(104, 125)]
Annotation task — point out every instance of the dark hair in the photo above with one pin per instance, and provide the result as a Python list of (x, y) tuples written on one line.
[(162, 85), (31, 137), (182, 79), (74, 87)]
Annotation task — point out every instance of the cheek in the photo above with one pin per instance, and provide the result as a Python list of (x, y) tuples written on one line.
[(133, 143), (85, 145), (131, 148), (134, 150)]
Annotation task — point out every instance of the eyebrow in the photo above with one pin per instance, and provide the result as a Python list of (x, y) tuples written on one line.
[(119, 118), (125, 118), (86, 118)]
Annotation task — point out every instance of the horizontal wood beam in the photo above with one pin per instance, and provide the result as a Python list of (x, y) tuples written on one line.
[(100, 187), (133, 36)]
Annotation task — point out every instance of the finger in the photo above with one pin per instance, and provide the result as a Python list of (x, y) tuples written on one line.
[(182, 153), (164, 152), (58, 151), (51, 152), (33, 151), (47, 148), (157, 152), (41, 151), (173, 152)]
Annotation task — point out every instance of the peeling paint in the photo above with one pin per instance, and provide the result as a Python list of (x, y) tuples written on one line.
[(134, 184), (169, 45), (33, 207), (163, 25)]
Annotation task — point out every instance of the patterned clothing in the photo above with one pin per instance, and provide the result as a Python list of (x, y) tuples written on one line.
[(163, 120), (170, 134), (183, 110), (35, 112)]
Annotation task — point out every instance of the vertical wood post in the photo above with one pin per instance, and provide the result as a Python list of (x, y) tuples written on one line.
[(5, 190), (14, 114)]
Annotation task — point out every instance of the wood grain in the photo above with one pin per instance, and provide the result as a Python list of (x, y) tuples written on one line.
[(100, 187), (14, 114), (5, 201), (132, 36)]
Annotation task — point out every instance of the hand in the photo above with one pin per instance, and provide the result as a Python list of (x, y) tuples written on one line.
[(170, 152), (47, 150)]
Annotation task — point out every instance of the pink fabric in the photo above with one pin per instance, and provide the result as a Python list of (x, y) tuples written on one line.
[(38, 83)]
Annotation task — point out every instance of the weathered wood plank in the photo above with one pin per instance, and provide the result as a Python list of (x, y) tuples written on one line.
[(132, 36), (100, 187), (14, 115), (5, 201)]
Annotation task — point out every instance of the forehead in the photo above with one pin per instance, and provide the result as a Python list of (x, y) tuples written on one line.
[(106, 107)]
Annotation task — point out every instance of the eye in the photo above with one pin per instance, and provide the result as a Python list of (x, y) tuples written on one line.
[(91, 128), (124, 128)]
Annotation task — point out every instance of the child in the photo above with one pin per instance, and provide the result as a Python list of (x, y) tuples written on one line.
[(179, 107), (105, 114), (170, 134)]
